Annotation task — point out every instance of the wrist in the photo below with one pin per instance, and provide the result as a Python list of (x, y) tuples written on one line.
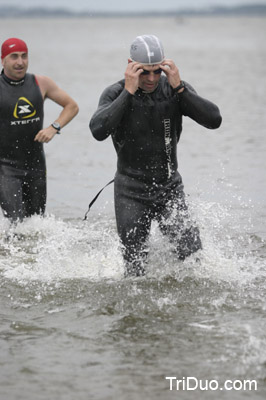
[(57, 127), (179, 88)]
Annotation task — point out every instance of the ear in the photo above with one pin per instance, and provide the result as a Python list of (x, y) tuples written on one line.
[(129, 60)]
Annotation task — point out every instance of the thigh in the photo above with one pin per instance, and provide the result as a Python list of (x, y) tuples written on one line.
[(132, 213), (34, 193), (11, 181)]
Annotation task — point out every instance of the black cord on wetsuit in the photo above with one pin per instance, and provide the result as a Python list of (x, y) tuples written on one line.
[(95, 198)]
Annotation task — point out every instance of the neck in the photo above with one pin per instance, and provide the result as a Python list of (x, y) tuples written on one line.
[(12, 81)]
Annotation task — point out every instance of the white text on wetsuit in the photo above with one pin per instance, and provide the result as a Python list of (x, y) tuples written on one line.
[(25, 121)]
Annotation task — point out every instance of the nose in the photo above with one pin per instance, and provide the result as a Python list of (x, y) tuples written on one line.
[(20, 60), (151, 76)]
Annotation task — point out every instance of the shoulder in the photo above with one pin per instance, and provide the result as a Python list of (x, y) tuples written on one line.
[(47, 86), (31, 78), (113, 91), (44, 81), (115, 88)]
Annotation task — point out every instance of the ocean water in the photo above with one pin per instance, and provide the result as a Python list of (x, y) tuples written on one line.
[(71, 326)]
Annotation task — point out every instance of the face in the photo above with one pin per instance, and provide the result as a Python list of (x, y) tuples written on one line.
[(15, 65), (148, 80)]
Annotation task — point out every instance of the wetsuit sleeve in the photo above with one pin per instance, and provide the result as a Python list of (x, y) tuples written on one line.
[(112, 106), (203, 111)]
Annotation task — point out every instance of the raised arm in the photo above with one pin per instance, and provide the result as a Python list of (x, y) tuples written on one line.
[(114, 102), (50, 90), (112, 106), (203, 111)]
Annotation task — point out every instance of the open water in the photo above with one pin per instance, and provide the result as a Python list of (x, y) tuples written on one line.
[(71, 326)]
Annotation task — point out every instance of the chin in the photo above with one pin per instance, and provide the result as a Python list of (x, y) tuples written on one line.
[(150, 90)]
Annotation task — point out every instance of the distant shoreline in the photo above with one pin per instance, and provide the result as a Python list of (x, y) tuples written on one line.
[(44, 12)]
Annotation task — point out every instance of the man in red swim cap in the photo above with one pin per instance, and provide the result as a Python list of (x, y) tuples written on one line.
[(22, 158)]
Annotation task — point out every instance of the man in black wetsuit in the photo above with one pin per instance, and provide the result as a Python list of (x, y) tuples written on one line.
[(22, 159), (143, 114)]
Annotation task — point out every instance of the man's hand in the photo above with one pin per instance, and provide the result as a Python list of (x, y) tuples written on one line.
[(45, 135), (172, 73), (132, 74)]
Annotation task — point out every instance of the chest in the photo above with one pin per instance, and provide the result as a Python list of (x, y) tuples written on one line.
[(149, 115), (20, 102)]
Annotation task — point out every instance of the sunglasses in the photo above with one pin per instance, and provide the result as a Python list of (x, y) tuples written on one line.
[(157, 72)]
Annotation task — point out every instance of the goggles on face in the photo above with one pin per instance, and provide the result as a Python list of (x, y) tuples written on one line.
[(156, 71)]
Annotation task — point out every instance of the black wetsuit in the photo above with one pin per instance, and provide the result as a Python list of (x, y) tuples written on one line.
[(145, 128), (22, 161)]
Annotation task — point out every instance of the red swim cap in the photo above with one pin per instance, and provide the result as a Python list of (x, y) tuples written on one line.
[(13, 45)]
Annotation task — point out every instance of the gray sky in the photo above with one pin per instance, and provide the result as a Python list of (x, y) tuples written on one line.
[(125, 5)]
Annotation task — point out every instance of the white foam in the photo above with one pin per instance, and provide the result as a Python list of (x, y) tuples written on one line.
[(52, 250)]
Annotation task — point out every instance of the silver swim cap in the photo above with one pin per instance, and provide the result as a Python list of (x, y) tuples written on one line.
[(147, 49)]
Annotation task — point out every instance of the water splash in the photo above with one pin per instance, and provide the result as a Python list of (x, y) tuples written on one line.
[(51, 249)]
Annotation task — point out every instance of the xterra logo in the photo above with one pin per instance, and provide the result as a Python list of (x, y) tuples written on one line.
[(24, 109), (23, 112)]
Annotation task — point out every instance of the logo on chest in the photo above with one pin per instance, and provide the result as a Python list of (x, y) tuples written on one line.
[(24, 109)]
